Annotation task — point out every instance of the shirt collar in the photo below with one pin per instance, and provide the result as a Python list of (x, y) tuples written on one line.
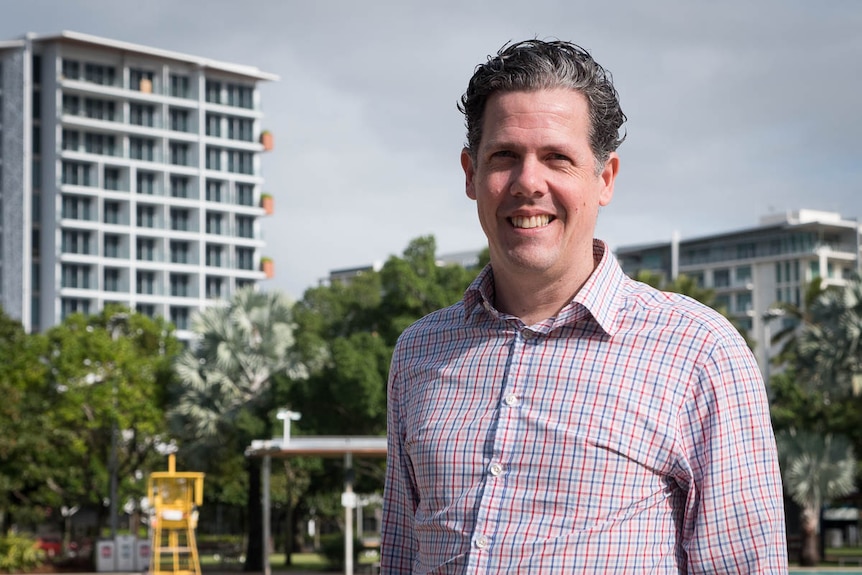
[(601, 296)]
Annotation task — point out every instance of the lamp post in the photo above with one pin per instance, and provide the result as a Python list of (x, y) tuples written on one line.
[(115, 325)]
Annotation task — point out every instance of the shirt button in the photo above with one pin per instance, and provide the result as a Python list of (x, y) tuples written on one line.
[(527, 334), (481, 542), (496, 469), (511, 400)]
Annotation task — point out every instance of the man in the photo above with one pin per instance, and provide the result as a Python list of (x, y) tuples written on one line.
[(563, 418)]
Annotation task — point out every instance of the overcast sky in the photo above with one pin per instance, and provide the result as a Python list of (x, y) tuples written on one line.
[(736, 109)]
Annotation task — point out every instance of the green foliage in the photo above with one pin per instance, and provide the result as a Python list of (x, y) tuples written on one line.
[(19, 554), (67, 388), (332, 548)]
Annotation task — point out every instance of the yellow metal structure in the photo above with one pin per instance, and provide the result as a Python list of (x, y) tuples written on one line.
[(175, 496)]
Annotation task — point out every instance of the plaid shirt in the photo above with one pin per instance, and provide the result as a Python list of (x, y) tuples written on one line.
[(628, 434)]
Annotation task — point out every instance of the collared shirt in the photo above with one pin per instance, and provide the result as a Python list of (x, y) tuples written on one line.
[(628, 434)]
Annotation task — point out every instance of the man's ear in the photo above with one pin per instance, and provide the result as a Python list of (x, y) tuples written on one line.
[(469, 173), (609, 176)]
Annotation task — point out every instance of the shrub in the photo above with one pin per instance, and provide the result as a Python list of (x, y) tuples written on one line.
[(332, 548), (18, 553)]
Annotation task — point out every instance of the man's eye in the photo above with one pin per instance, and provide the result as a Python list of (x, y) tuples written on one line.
[(503, 154), (559, 158)]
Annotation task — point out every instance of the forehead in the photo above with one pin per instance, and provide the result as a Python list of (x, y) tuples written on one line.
[(558, 113)]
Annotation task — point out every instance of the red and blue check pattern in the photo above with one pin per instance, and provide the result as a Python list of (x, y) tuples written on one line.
[(629, 434)]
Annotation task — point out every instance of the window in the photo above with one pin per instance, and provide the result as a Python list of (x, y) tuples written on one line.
[(180, 317), (179, 186), (75, 276), (180, 219), (146, 216), (245, 258), (69, 305), (76, 173), (240, 96), (71, 69), (147, 309), (179, 120), (146, 282), (215, 287), (147, 249), (214, 190), (71, 140), (743, 302), (112, 179), (180, 285), (112, 212), (71, 104), (142, 149), (112, 279), (103, 144), (214, 125), (75, 242), (245, 194), (213, 94), (141, 80), (112, 246), (180, 252), (76, 208), (743, 275), (240, 162), (240, 129), (245, 227), (180, 86), (721, 278), (99, 74), (214, 223), (146, 182), (243, 283), (213, 158), (142, 115), (214, 255), (179, 153), (99, 109)]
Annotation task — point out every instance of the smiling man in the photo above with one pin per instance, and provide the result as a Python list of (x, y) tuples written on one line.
[(563, 418)]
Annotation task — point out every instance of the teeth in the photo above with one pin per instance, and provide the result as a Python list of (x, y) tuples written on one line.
[(531, 222)]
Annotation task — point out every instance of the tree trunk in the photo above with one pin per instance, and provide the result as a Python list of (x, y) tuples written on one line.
[(254, 513), (810, 553), (289, 537)]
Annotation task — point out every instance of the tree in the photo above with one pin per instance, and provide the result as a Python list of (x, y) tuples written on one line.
[(224, 398), (106, 377), (817, 468), (22, 438), (345, 338), (829, 347)]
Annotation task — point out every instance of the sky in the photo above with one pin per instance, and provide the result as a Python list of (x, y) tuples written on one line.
[(736, 109)]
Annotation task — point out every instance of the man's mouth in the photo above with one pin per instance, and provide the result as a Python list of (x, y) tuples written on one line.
[(530, 222)]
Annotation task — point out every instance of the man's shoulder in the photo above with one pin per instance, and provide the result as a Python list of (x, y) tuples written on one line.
[(678, 310), (441, 319)]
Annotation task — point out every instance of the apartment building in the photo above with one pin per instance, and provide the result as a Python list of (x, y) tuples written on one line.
[(753, 269), (128, 174)]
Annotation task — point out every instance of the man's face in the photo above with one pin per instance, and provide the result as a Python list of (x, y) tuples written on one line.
[(535, 183)]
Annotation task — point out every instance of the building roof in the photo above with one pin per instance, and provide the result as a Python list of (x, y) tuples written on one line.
[(99, 42)]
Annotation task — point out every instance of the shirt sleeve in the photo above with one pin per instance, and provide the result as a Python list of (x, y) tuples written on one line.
[(397, 539), (734, 514)]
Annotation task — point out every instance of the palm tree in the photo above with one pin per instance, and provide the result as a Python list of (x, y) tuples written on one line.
[(816, 468), (225, 378), (829, 347)]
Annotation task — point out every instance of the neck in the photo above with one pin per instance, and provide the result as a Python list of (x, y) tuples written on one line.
[(535, 298)]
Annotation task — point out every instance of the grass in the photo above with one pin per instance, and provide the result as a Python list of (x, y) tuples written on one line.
[(299, 562)]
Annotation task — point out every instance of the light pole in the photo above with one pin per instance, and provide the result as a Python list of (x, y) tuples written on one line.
[(115, 325)]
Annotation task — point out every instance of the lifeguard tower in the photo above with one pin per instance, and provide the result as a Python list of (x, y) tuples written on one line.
[(174, 496)]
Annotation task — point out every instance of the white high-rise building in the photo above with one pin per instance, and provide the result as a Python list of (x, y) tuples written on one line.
[(128, 174)]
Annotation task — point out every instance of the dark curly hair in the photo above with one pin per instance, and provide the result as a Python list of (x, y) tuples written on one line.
[(541, 65)]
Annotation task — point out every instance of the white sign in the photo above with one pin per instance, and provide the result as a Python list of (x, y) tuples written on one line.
[(348, 499)]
